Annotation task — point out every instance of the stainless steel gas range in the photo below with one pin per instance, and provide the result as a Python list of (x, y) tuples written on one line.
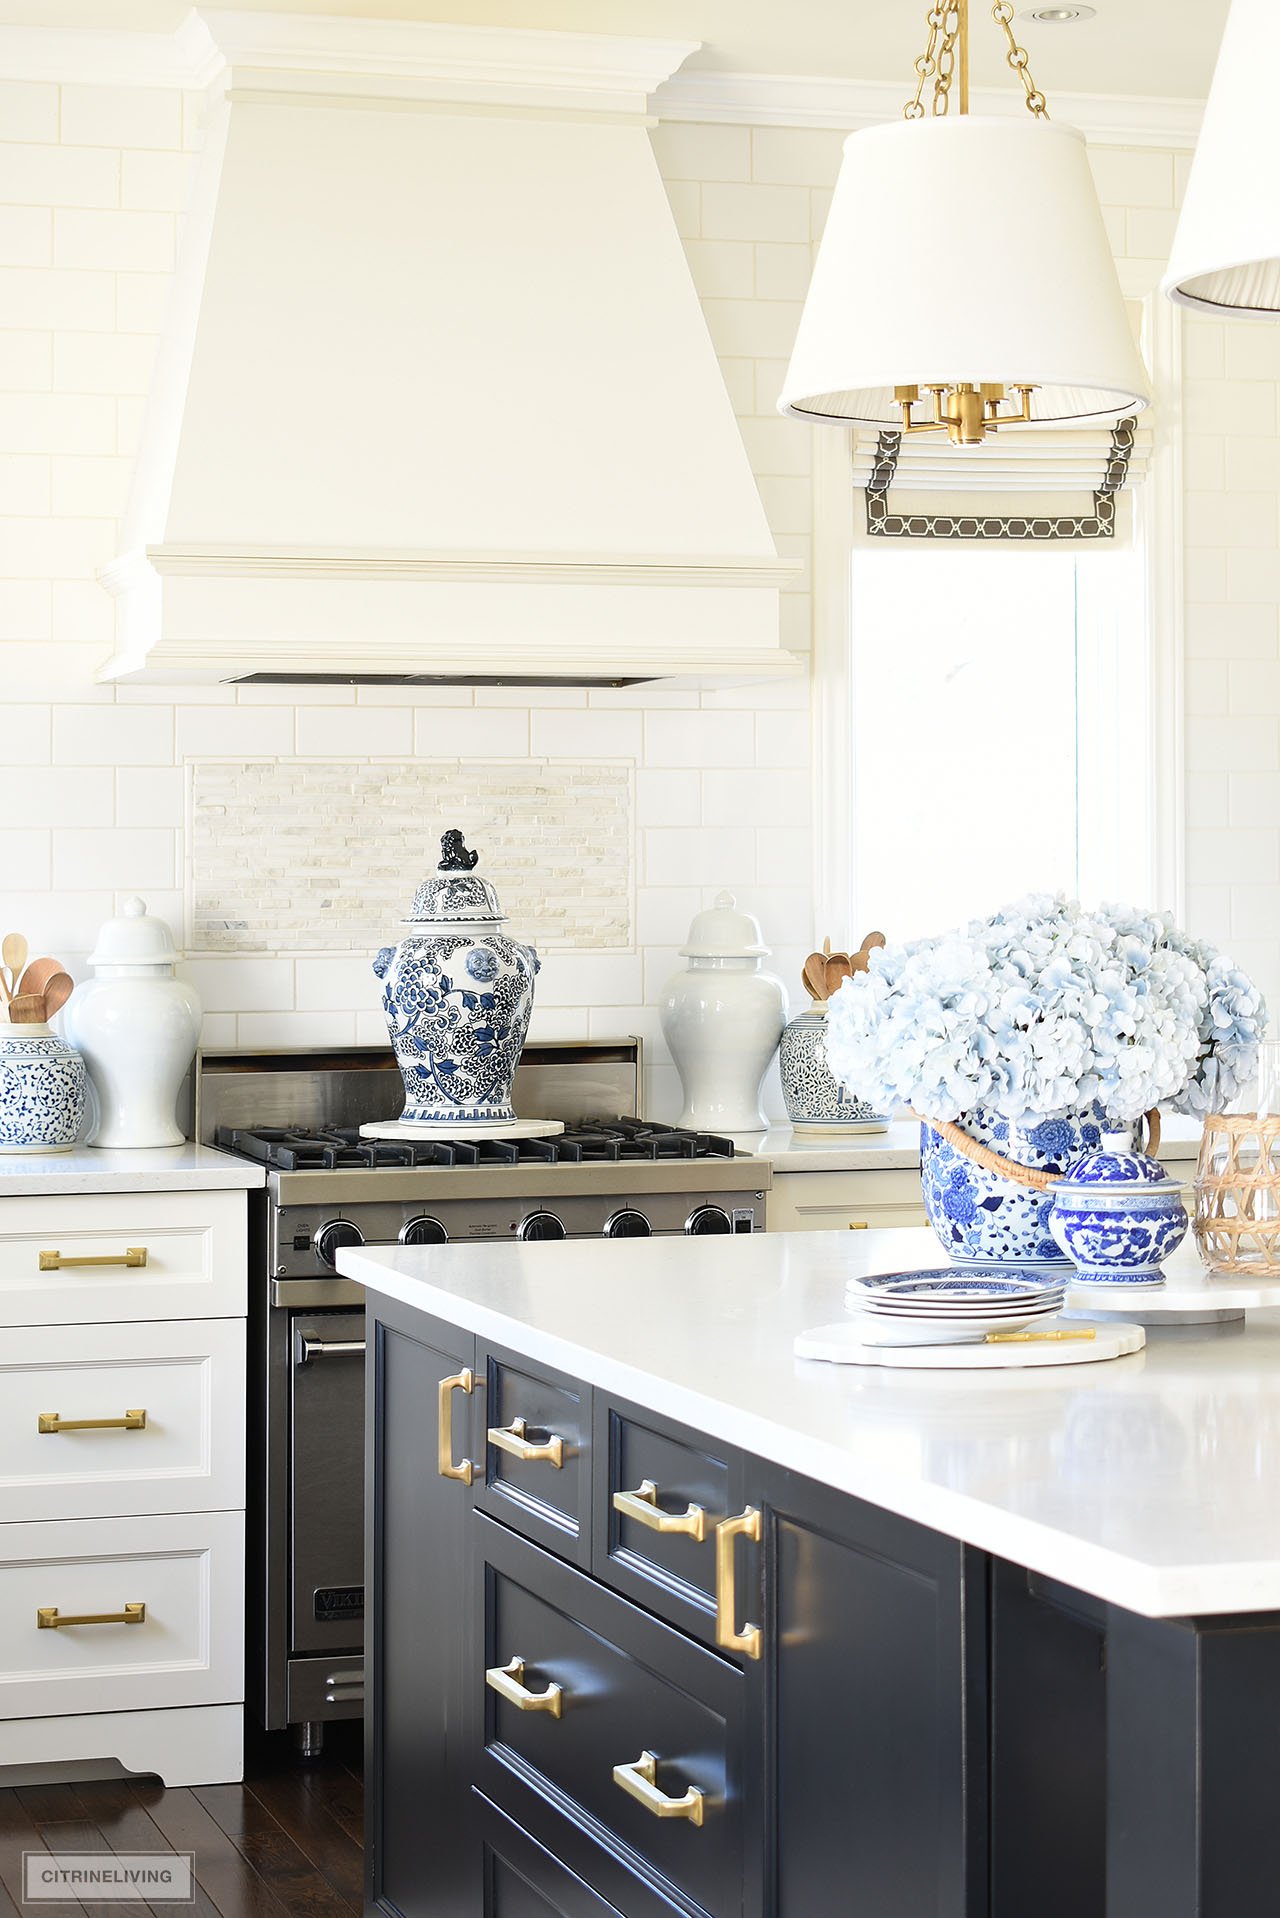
[(299, 1115)]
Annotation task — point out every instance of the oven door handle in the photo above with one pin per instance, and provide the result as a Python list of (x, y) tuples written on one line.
[(309, 1348)]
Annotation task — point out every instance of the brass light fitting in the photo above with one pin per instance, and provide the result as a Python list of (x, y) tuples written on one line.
[(963, 409)]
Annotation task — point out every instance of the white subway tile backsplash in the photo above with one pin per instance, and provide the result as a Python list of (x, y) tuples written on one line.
[(784, 739), (268, 1031), (24, 858), (1225, 632), (146, 795), (586, 980), (231, 731), (693, 151), (666, 796), (603, 735), (131, 857), (121, 116), (1255, 685), (112, 736), (50, 176), (1132, 177), (55, 795), (117, 242), (26, 611), (663, 914), (481, 732), (1250, 466), (1240, 857), (56, 422), (701, 855), (142, 299), (1253, 800), (375, 730), (29, 110), (780, 797), (26, 363), (26, 236), (796, 156), (699, 739), (155, 181), (735, 212), (85, 488), (103, 362), (40, 298), (336, 985), (1247, 743), (244, 985), (753, 329)]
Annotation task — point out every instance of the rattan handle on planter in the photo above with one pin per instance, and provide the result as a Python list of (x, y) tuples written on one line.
[(1009, 1168)]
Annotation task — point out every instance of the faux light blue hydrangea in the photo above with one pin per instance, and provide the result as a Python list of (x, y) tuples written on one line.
[(1046, 1010)]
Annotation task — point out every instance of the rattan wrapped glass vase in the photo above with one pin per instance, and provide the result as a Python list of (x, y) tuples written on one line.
[(1237, 1215)]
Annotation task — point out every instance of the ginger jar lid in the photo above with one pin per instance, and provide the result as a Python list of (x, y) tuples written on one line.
[(722, 932), (1109, 1170), (135, 938), (455, 895)]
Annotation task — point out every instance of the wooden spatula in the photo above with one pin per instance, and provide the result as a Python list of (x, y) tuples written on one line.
[(27, 1009), (56, 993), (13, 951), (38, 974)]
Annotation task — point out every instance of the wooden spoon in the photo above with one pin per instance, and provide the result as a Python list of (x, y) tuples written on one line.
[(38, 974), (27, 1009), (56, 993), (814, 975), (13, 950)]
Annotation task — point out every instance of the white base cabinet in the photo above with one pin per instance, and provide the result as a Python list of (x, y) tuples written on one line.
[(122, 1434), (833, 1201)]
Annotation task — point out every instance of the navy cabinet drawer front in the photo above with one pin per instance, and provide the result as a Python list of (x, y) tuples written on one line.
[(630, 1685), (673, 1471), (547, 1499), (523, 1880)]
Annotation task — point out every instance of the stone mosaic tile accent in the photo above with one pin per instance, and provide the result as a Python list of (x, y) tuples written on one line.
[(290, 855)]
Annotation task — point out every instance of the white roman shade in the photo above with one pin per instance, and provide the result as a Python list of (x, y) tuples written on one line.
[(1029, 484)]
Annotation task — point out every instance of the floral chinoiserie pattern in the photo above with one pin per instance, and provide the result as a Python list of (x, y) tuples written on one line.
[(977, 1214), (458, 1014), (458, 995), (42, 1092)]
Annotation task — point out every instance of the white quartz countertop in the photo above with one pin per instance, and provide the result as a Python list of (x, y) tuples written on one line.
[(896, 1147), (178, 1168), (1152, 1481)]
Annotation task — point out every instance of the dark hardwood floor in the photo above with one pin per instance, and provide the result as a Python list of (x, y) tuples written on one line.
[(288, 1840)]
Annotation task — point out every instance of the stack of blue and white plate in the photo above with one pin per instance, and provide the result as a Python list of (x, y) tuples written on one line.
[(947, 1307)]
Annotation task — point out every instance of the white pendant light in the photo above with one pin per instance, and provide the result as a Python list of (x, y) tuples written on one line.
[(1226, 251), (964, 262)]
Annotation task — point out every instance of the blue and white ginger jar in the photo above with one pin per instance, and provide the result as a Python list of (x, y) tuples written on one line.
[(457, 994), (1117, 1215), (815, 1099), (979, 1214), (42, 1091)]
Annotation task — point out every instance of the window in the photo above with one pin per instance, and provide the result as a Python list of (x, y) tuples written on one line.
[(997, 727)]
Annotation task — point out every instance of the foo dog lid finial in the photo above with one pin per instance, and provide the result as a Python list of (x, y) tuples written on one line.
[(456, 895)]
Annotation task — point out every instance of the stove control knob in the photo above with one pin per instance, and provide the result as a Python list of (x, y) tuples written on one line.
[(423, 1231), (628, 1224), (541, 1225), (332, 1237), (708, 1218)]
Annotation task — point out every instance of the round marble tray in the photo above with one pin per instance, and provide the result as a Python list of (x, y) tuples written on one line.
[(501, 1129), (841, 1345)]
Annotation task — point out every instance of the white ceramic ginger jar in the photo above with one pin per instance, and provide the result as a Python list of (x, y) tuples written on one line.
[(136, 1027), (722, 1018)]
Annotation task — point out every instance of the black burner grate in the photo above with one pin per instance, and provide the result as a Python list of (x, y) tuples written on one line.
[(340, 1148)]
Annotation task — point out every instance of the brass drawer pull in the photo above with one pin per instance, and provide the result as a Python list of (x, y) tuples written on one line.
[(858, 1225), (639, 1779), (62, 1262), (642, 1505), (463, 1381), (54, 1422), (746, 1525), (511, 1438), (48, 1619), (508, 1682)]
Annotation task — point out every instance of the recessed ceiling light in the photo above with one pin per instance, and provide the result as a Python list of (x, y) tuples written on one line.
[(1059, 16)]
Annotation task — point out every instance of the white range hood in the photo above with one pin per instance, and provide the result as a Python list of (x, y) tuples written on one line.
[(436, 399)]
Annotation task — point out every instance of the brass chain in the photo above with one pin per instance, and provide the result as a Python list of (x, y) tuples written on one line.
[(1002, 14), (937, 62)]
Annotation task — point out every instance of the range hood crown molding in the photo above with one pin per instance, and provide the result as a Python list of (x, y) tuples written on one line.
[(436, 397), (430, 60)]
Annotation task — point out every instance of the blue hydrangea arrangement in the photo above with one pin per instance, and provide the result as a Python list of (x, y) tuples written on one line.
[(1045, 1011)]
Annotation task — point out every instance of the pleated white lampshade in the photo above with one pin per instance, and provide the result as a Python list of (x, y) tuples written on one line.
[(964, 248), (1226, 251)]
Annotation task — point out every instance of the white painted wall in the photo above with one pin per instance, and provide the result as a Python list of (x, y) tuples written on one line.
[(91, 185)]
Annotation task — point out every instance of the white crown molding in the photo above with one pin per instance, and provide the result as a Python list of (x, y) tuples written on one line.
[(601, 72), (785, 100)]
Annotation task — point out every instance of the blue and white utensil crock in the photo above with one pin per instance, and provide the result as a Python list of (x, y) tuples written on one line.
[(457, 994), (815, 1099), (977, 1213), (42, 1091), (1117, 1214)]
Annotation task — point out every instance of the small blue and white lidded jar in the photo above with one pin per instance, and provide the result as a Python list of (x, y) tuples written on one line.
[(1117, 1214), (457, 994)]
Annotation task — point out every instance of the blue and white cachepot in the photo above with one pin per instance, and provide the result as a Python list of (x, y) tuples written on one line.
[(457, 995), (1117, 1215), (815, 1099), (43, 1086), (979, 1214)]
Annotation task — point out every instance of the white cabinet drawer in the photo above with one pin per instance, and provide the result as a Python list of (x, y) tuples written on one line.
[(187, 1572), (833, 1201), (194, 1245), (185, 1377)]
